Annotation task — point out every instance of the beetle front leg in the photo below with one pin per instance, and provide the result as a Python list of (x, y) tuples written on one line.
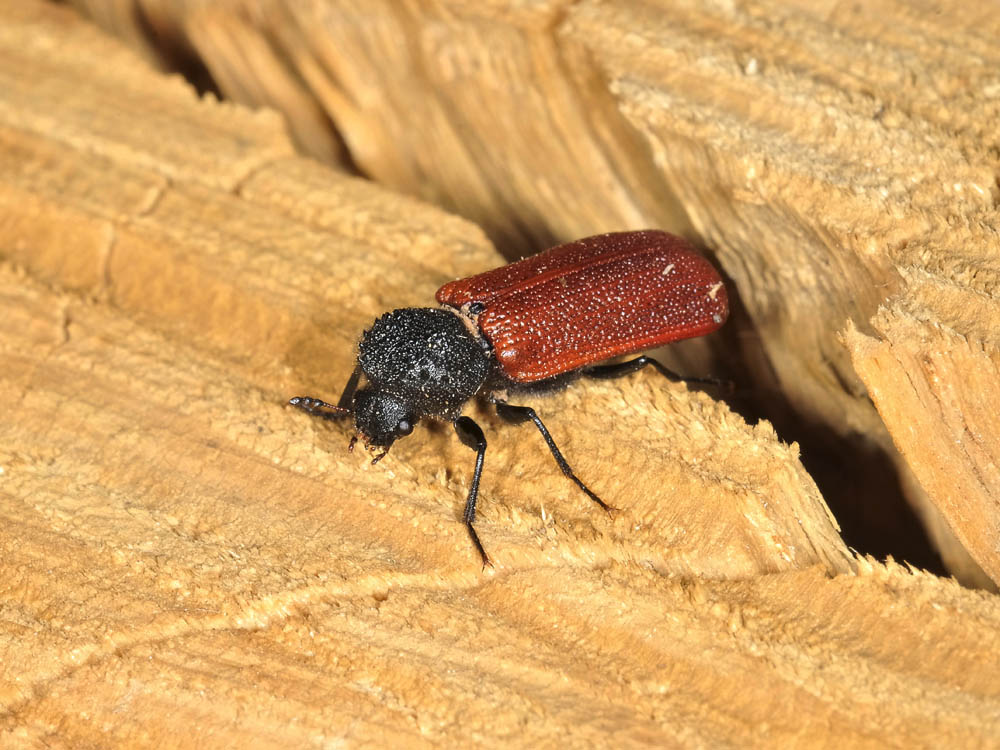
[(520, 414), (346, 400), (472, 435)]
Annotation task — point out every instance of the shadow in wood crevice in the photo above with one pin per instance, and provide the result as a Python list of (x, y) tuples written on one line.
[(176, 54), (857, 477)]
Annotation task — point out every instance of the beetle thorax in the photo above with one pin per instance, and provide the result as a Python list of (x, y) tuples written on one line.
[(418, 362)]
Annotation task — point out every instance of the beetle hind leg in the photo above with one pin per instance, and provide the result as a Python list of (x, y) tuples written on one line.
[(621, 369)]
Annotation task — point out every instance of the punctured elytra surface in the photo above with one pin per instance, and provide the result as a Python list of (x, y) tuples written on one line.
[(593, 299)]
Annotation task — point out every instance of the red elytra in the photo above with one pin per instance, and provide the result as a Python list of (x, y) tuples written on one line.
[(593, 299)]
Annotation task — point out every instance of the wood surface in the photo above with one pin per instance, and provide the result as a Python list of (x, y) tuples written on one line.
[(185, 561)]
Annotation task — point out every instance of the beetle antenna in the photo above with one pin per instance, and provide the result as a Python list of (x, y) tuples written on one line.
[(318, 408)]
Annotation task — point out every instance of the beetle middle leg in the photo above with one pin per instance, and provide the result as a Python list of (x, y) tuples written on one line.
[(521, 414)]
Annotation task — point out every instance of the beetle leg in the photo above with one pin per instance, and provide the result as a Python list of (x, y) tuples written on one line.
[(621, 369), (472, 435), (347, 397), (521, 414)]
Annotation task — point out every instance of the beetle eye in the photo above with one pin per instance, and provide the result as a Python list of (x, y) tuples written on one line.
[(403, 427)]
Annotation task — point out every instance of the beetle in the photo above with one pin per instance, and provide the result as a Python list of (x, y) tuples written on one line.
[(527, 327)]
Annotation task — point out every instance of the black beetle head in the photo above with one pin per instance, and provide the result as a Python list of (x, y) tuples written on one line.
[(382, 417)]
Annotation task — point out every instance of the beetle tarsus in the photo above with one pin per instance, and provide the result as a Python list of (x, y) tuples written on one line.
[(487, 562)]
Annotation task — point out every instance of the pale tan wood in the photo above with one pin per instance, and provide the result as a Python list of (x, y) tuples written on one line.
[(936, 382), (184, 561), (817, 149)]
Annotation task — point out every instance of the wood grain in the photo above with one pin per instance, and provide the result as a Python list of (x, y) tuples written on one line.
[(184, 561)]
